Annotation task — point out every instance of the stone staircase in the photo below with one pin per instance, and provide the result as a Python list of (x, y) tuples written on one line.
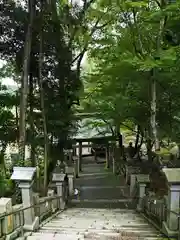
[(102, 210), (102, 224)]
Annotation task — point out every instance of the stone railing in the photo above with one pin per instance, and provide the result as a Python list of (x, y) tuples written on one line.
[(131, 170), (164, 212), (156, 209), (13, 223), (21, 219)]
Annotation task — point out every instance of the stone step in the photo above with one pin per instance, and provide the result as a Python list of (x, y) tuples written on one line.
[(103, 187), (124, 216), (100, 224), (122, 220), (88, 213), (104, 211), (114, 204), (91, 221), (87, 223), (140, 232), (96, 212), (80, 237), (56, 237), (88, 236), (115, 200), (100, 193)]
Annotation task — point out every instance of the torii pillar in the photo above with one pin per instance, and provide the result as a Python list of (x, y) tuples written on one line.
[(80, 157)]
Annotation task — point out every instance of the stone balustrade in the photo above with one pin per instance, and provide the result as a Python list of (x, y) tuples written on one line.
[(131, 170), (155, 208), (16, 220), (163, 212)]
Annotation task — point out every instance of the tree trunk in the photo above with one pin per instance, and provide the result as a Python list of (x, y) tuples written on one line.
[(2, 160), (17, 118), (137, 139), (153, 111), (148, 142), (153, 87), (24, 85), (142, 138), (119, 136), (119, 150), (32, 130), (43, 107), (149, 149)]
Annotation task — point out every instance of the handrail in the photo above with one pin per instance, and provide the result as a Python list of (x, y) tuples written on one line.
[(13, 221), (168, 210), (47, 199), (156, 209)]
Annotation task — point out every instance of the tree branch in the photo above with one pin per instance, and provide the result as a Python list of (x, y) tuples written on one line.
[(113, 133), (80, 56), (86, 5), (158, 3)]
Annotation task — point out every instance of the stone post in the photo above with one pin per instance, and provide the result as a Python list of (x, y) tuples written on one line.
[(70, 174), (68, 156), (65, 155), (142, 180), (132, 183), (115, 158), (36, 201), (127, 173), (75, 166), (114, 165), (58, 178), (171, 226), (74, 150), (107, 157), (53, 205), (89, 148), (80, 157), (6, 207), (24, 175), (173, 201), (95, 156), (131, 170)]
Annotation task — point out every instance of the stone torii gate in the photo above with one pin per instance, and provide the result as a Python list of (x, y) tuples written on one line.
[(78, 147), (91, 138)]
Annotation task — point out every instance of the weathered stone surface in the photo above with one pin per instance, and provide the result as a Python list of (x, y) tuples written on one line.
[(69, 170), (103, 224), (58, 177), (23, 173), (142, 178), (172, 175), (6, 207), (97, 185)]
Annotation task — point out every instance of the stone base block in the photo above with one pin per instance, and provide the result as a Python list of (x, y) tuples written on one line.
[(139, 208), (62, 204), (167, 231), (14, 234), (33, 226)]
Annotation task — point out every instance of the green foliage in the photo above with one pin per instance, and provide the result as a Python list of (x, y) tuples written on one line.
[(125, 55), (60, 83), (65, 38)]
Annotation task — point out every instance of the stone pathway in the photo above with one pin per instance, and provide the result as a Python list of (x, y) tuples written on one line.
[(100, 188), (99, 212), (92, 224)]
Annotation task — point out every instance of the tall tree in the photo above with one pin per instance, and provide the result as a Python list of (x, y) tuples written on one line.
[(24, 83)]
